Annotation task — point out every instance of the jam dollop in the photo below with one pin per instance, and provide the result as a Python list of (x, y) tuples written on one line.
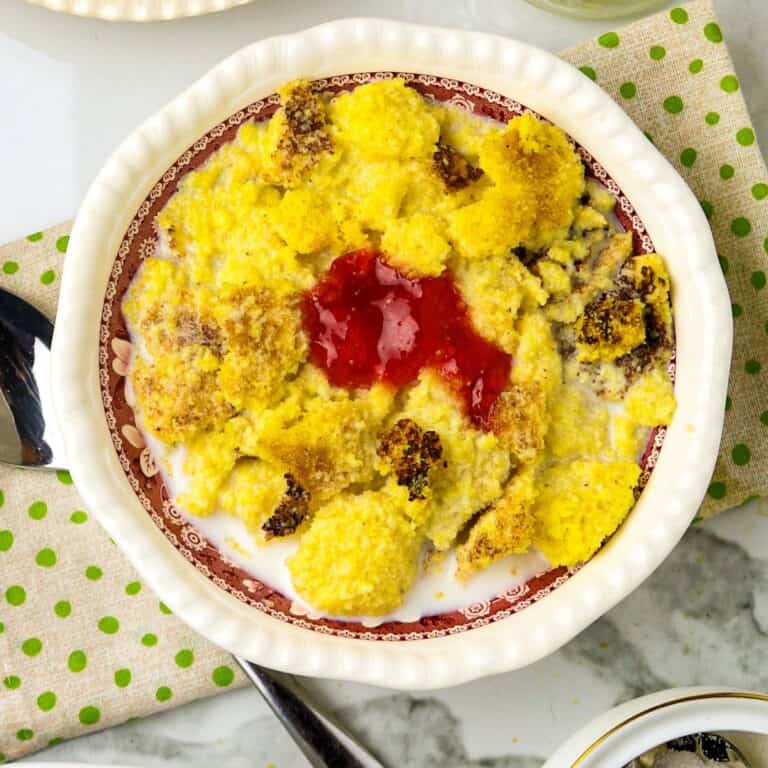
[(369, 323)]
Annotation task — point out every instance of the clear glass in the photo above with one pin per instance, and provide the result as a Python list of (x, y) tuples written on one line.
[(598, 9)]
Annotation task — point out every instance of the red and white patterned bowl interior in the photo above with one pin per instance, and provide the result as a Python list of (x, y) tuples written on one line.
[(114, 350)]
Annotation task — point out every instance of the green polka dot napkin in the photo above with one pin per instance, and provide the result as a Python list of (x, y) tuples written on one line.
[(84, 644)]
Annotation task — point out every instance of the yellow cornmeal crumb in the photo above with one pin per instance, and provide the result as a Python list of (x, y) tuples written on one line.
[(610, 327), (566, 252), (495, 289), (535, 162), (506, 528), (650, 277), (580, 504), (220, 368), (416, 246), (325, 438), (462, 130), (554, 277), (297, 137), (384, 120), (210, 459), (475, 229), (477, 462), (252, 492), (650, 400), (520, 419), (536, 359), (175, 410), (234, 348), (599, 197), (628, 437), (359, 556), (588, 218), (263, 343), (376, 196), (301, 219), (607, 378), (579, 425)]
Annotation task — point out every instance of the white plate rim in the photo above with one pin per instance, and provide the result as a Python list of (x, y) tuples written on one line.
[(138, 10), (630, 729), (672, 216)]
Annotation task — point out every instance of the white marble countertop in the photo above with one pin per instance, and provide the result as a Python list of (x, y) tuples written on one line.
[(71, 90)]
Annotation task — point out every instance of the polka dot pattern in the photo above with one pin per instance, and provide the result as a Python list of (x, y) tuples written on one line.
[(89, 715), (628, 90), (223, 676), (673, 104), (727, 172), (46, 701), (108, 625), (609, 40), (741, 226), (688, 157), (745, 137), (679, 15), (123, 678), (712, 32), (77, 661)]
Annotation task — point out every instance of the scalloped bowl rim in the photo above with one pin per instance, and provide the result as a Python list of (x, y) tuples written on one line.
[(138, 10), (673, 218)]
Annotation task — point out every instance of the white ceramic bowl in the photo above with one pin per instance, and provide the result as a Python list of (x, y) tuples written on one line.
[(673, 219), (628, 731), (138, 10)]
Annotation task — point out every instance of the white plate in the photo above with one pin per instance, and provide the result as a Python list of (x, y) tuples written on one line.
[(674, 221), (631, 729), (138, 10)]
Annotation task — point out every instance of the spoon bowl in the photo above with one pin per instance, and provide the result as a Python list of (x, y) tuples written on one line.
[(29, 432)]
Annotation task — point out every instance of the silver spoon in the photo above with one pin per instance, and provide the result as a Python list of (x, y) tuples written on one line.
[(29, 437)]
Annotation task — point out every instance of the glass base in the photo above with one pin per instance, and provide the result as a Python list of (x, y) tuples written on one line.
[(597, 9)]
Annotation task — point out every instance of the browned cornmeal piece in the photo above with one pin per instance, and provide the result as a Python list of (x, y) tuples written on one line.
[(519, 419), (507, 527), (646, 276), (290, 512), (191, 329), (412, 453), (612, 325), (453, 168), (305, 135)]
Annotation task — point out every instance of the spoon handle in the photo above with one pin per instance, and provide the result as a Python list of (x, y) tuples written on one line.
[(324, 744)]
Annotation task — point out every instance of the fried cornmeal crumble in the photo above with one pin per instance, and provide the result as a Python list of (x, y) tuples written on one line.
[(368, 479)]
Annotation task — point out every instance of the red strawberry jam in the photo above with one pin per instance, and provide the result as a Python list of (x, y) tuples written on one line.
[(369, 323)]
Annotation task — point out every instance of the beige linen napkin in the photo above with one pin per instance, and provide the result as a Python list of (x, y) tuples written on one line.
[(84, 645)]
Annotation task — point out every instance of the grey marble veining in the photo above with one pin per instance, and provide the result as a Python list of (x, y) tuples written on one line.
[(701, 619)]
